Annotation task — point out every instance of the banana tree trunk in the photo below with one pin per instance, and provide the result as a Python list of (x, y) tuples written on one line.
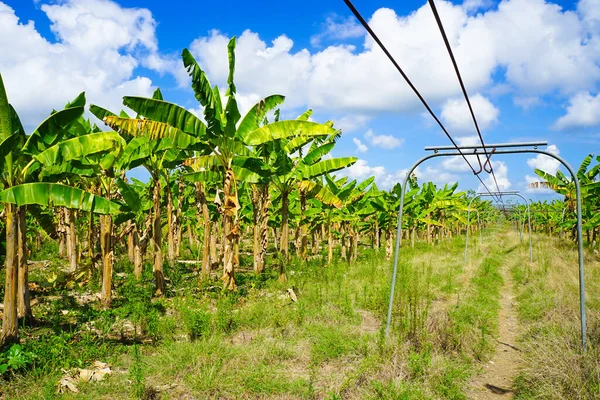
[(388, 237), (207, 243), (24, 305), (303, 227), (429, 231), (230, 229), (343, 241), (264, 226), (351, 239), (315, 242), (329, 244), (62, 233), (71, 238), (91, 244), (255, 228), (130, 250), (355, 245), (170, 227), (159, 278), (284, 233), (107, 265), (178, 221), (10, 328), (137, 254), (377, 233), (213, 259), (261, 203)]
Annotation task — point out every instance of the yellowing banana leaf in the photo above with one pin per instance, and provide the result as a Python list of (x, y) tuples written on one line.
[(168, 113)]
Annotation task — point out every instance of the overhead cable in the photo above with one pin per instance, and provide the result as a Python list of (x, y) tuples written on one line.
[(412, 86)]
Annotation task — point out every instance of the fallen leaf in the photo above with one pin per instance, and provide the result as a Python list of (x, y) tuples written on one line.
[(85, 375), (99, 365), (67, 383), (100, 374)]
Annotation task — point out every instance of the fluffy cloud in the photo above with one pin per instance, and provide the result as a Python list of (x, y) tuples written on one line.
[(383, 141), (458, 164), (501, 172), (385, 179), (337, 28), (544, 162), (583, 111), (527, 102), (98, 45), (360, 146), (456, 114), (351, 123), (529, 46)]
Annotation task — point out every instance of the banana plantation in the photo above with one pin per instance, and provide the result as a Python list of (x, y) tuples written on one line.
[(245, 220)]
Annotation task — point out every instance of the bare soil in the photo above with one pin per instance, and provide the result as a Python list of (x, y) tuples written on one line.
[(495, 382)]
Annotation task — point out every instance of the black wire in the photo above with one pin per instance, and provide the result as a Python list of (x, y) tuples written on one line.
[(408, 81), (462, 86)]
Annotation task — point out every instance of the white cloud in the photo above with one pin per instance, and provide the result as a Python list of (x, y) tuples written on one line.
[(457, 163), (360, 146), (337, 28), (544, 162), (583, 111), (98, 45), (501, 172), (527, 102), (456, 114), (383, 141), (385, 179), (534, 47), (351, 123), (474, 5)]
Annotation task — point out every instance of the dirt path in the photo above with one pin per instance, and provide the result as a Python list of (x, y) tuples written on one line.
[(499, 373)]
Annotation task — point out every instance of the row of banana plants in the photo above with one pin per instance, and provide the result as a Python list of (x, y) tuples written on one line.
[(559, 216), (221, 182)]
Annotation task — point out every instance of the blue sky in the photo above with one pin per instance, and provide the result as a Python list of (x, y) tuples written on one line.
[(531, 68)]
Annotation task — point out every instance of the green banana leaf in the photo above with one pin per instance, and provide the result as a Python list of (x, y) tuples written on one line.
[(80, 147), (52, 130), (327, 166), (256, 115), (54, 194), (287, 129)]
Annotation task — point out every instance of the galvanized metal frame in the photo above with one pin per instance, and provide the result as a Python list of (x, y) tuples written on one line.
[(504, 149), (520, 231)]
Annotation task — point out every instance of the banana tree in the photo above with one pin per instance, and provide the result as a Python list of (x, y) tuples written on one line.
[(590, 191), (159, 148), (347, 216), (291, 169), (19, 171)]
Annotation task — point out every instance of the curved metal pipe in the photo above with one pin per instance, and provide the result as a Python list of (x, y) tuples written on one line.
[(500, 151)]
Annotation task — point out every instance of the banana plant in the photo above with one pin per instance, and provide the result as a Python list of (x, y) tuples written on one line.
[(21, 167), (590, 191), (347, 216), (291, 169)]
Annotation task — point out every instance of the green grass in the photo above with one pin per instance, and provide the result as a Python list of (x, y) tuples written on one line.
[(548, 308), (201, 342)]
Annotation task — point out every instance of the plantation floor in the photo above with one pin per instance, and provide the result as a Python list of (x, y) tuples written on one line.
[(456, 328), (496, 381)]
